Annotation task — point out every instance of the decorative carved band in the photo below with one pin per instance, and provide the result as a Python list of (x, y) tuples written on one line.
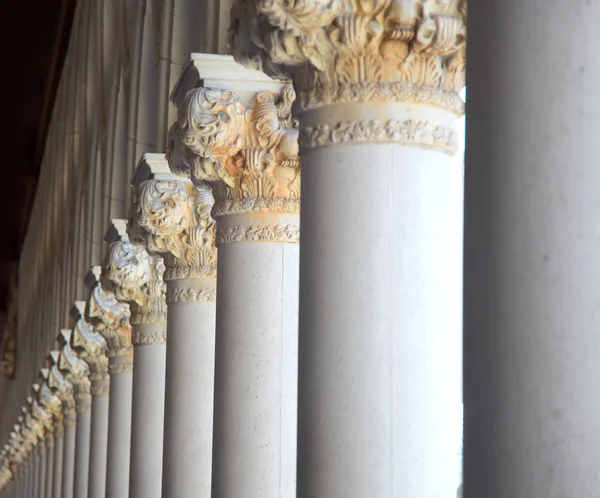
[(408, 132), (119, 368), (256, 204), (191, 295), (380, 91), (149, 338), (259, 233), (185, 272), (100, 387)]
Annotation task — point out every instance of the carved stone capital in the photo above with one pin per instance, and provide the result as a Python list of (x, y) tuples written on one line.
[(335, 51), (109, 316), (245, 145), (177, 219), (88, 343), (75, 369), (60, 385), (134, 276)]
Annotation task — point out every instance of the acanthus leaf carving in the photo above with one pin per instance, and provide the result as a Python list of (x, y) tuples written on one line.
[(89, 344)]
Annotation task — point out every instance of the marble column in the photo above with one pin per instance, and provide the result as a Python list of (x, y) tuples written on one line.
[(135, 277), (532, 185), (111, 318), (49, 470), (41, 480), (176, 219), (92, 348), (64, 435), (380, 255), (254, 170), (76, 478), (52, 403)]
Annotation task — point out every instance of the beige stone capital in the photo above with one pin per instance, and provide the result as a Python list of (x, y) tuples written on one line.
[(109, 317), (176, 219), (89, 344), (382, 50), (76, 372), (59, 385), (48, 398), (134, 276)]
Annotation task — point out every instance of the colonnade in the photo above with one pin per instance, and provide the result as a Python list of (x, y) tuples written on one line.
[(206, 349)]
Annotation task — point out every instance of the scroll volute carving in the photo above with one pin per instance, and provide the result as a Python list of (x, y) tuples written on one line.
[(76, 370), (176, 218), (110, 317), (136, 278), (58, 382), (329, 46), (250, 152), (88, 343)]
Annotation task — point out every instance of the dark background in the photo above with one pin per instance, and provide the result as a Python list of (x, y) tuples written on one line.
[(36, 35)]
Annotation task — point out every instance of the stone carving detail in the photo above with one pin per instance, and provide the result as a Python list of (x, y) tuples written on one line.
[(110, 318), (409, 132), (136, 278), (61, 386), (248, 153), (76, 372), (258, 233), (192, 295), (144, 338), (119, 368), (330, 46), (178, 224), (49, 400), (90, 345)]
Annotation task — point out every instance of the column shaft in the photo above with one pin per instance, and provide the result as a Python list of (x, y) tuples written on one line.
[(532, 186), (36, 472), (82, 455), (64, 484), (187, 458), (55, 491), (148, 414), (256, 361), (50, 450), (41, 486), (119, 432), (98, 444)]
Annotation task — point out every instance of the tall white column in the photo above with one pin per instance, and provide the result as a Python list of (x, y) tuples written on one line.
[(532, 186), (135, 277), (49, 471), (251, 160), (112, 320), (380, 254), (41, 481), (64, 436), (176, 218), (76, 465), (92, 348)]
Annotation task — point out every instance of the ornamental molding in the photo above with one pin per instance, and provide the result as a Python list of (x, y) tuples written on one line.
[(330, 44), (256, 205), (259, 233), (88, 343), (176, 218), (59, 384), (110, 318), (76, 370), (136, 278), (175, 296), (100, 388), (121, 367), (149, 338), (246, 148), (407, 132)]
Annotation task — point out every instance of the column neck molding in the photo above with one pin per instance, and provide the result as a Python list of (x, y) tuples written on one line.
[(392, 51), (90, 345)]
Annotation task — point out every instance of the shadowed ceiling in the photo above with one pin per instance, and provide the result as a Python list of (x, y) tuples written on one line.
[(36, 38)]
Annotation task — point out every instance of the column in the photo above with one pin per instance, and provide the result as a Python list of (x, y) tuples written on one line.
[(176, 219), (111, 318), (92, 348), (49, 470), (380, 255), (136, 278), (531, 243), (76, 372), (251, 160), (41, 484), (64, 435)]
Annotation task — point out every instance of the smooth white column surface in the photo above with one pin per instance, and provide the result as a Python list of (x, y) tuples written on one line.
[(37, 469), (41, 481), (64, 482), (532, 186), (148, 410), (119, 428), (51, 442), (98, 439), (82, 454)]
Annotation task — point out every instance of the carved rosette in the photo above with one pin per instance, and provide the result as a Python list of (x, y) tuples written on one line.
[(76, 372), (92, 348), (136, 278), (249, 154), (176, 219), (336, 52), (111, 318)]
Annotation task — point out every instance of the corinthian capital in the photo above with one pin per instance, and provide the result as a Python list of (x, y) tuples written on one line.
[(76, 371), (61, 386), (176, 218), (89, 344), (111, 319), (49, 399), (134, 276), (339, 51)]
